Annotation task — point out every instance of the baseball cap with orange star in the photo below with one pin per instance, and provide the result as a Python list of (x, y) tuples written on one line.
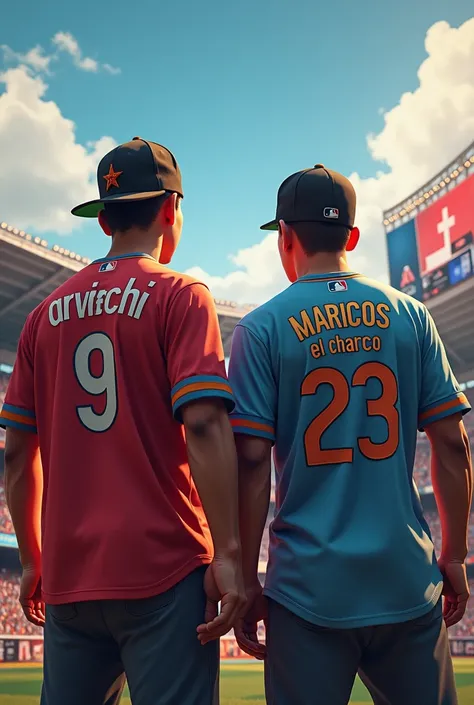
[(134, 171)]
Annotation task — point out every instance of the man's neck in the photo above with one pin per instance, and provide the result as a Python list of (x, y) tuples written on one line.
[(323, 263), (134, 241)]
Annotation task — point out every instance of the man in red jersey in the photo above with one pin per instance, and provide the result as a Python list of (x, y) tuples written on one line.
[(120, 461)]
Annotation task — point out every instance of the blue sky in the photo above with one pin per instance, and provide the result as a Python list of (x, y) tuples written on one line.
[(243, 93)]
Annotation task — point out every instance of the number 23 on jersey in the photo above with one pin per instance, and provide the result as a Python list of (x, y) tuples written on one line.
[(383, 406)]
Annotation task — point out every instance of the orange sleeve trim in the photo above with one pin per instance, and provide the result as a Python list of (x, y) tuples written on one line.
[(459, 401), (200, 387), (25, 420), (252, 424)]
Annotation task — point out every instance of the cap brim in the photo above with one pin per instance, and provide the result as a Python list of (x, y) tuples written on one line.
[(272, 225), (91, 209)]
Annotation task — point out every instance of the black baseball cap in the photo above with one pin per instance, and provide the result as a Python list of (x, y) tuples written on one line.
[(134, 171), (315, 195)]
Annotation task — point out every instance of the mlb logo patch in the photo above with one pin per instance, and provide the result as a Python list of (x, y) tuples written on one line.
[(107, 266), (338, 285), (332, 213)]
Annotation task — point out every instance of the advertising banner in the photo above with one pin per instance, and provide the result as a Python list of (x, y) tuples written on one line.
[(446, 227), (8, 650), (433, 252), (403, 260)]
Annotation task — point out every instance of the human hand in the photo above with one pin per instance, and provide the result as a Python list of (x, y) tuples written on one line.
[(246, 629), (30, 595), (455, 590), (222, 583)]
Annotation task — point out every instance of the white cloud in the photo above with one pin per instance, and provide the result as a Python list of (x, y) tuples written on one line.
[(64, 41), (114, 70), (35, 58), (425, 130), (38, 61), (44, 171)]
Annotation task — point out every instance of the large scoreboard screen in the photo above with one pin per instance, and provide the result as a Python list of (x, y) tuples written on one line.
[(434, 251)]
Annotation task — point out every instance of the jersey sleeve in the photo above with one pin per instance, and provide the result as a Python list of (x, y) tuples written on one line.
[(193, 349), (253, 385), (18, 410), (440, 392)]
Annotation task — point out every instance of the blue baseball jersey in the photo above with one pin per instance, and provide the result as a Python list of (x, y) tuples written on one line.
[(340, 372)]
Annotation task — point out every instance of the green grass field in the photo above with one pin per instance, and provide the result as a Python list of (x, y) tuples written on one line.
[(241, 684)]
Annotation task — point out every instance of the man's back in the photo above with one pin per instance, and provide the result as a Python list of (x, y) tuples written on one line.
[(347, 370), (104, 364)]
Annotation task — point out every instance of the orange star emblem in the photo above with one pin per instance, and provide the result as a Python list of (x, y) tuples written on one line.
[(112, 177)]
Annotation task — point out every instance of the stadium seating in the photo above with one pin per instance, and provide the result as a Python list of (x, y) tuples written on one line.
[(12, 620), (6, 526), (3, 388)]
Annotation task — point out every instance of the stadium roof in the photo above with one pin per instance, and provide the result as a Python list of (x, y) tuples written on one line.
[(446, 179), (30, 271)]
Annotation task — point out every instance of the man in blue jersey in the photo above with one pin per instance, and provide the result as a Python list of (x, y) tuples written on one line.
[(338, 373)]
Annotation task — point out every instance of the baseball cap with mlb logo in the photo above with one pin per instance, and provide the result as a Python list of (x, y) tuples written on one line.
[(316, 195)]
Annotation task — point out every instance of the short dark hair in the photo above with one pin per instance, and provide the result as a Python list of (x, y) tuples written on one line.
[(321, 237), (124, 215)]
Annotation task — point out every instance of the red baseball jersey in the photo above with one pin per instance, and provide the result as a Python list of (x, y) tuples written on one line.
[(103, 368)]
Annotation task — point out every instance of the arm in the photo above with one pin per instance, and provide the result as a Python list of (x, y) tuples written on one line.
[(24, 474), (201, 399), (441, 407), (213, 464), (24, 492), (452, 476), (253, 422), (254, 500)]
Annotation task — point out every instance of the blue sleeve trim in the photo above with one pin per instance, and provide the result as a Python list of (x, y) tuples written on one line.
[(8, 423), (198, 379), (18, 410), (253, 426), (202, 394), (454, 404)]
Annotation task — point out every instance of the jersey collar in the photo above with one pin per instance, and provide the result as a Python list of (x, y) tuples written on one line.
[(327, 276), (126, 256)]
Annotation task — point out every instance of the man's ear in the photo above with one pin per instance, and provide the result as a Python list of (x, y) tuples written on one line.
[(168, 210), (353, 239), (286, 236), (104, 224)]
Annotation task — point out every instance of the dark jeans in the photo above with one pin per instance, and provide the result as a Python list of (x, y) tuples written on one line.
[(91, 647), (401, 664)]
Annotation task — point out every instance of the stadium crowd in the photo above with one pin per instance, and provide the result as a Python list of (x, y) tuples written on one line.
[(12, 620), (3, 388), (6, 526)]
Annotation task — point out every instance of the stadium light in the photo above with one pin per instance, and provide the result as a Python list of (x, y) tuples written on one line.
[(3, 226), (451, 172)]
